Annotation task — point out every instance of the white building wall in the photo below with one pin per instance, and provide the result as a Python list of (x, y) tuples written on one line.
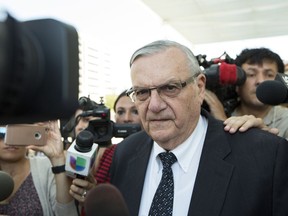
[(95, 69)]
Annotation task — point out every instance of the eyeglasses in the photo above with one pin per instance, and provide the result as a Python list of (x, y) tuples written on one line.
[(169, 89)]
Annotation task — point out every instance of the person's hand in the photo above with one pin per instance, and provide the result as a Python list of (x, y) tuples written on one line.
[(215, 105), (54, 148), (80, 187), (243, 123)]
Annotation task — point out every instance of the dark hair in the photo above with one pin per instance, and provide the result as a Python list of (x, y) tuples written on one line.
[(257, 56), (85, 103), (122, 94)]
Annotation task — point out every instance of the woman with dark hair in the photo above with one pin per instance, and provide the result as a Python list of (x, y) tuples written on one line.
[(125, 113), (125, 110)]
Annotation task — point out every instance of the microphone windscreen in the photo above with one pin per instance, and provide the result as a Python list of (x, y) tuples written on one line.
[(105, 200), (6, 185), (272, 92), (227, 73)]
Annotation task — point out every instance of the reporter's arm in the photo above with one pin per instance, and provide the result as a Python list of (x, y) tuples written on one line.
[(55, 152), (215, 105)]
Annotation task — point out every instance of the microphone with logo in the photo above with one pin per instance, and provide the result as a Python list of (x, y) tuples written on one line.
[(81, 155), (273, 92), (105, 200), (6, 185)]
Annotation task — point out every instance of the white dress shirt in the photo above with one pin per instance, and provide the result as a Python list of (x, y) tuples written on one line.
[(184, 171)]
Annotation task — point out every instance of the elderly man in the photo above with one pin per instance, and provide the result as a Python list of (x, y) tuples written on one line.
[(184, 162)]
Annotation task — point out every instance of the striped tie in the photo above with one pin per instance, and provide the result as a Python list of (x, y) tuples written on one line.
[(162, 203)]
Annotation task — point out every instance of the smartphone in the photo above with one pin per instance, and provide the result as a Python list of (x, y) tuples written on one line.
[(22, 135)]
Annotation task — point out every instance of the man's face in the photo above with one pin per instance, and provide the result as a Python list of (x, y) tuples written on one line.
[(255, 74), (168, 120)]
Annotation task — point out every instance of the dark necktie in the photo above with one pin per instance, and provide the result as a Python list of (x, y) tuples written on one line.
[(162, 203)]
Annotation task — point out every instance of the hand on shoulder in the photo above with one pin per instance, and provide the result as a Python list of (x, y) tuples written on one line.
[(243, 123)]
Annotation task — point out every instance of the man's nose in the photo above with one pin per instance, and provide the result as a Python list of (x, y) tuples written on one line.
[(260, 78), (156, 102)]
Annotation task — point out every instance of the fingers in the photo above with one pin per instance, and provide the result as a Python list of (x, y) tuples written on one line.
[(35, 147), (81, 183), (243, 123), (80, 188), (274, 131), (78, 193)]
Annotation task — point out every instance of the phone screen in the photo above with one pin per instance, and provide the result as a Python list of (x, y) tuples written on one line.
[(20, 135)]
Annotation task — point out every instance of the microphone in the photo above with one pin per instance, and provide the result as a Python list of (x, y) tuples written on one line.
[(105, 200), (81, 155), (273, 92), (224, 74), (6, 185)]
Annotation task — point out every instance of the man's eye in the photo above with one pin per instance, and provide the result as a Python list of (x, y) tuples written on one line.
[(170, 87), (141, 92), (271, 75), (250, 75)]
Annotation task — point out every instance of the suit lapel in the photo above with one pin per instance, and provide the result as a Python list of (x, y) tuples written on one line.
[(213, 174), (212, 179), (137, 165)]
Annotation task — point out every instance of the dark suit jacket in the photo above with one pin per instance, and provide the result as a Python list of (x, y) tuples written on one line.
[(239, 174)]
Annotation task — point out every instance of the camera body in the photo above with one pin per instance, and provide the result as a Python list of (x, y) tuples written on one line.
[(39, 70), (222, 77), (104, 129)]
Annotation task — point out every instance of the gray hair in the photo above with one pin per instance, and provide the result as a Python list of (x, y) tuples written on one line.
[(161, 45)]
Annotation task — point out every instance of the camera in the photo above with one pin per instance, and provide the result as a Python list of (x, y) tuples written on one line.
[(103, 128), (39, 70), (222, 77)]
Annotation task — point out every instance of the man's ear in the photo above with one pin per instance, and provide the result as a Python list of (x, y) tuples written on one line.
[(201, 83)]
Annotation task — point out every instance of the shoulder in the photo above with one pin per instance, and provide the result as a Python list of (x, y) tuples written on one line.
[(281, 109), (134, 146), (133, 142), (254, 138), (278, 117), (256, 135), (278, 112), (258, 144)]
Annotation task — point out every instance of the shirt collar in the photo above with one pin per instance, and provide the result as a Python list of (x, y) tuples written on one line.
[(186, 150)]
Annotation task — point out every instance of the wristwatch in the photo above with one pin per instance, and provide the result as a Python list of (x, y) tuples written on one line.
[(58, 169)]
